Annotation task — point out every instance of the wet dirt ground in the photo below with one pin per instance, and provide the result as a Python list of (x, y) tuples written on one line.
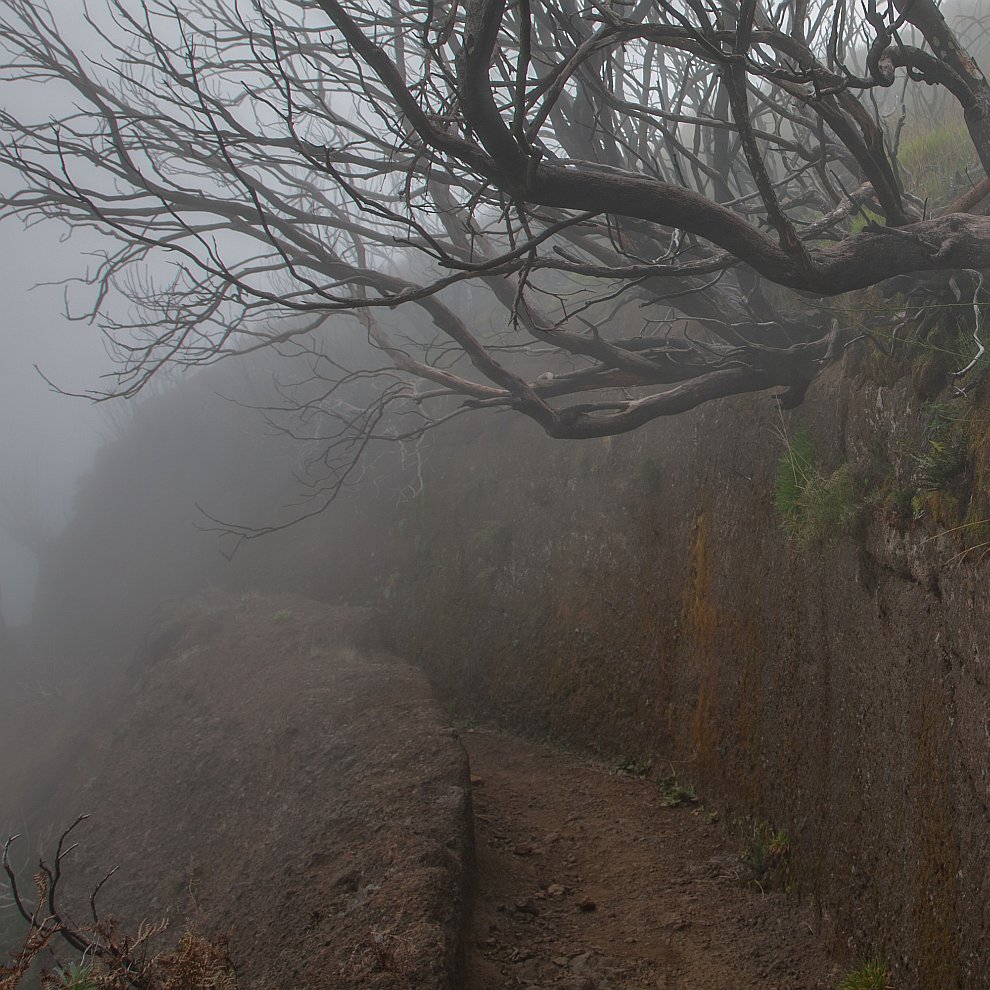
[(588, 881)]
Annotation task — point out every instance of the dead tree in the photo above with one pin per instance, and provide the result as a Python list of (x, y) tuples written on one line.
[(111, 958), (583, 206)]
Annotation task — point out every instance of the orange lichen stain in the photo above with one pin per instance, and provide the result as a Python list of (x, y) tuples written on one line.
[(700, 638)]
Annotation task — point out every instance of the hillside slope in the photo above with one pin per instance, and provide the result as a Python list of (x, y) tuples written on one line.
[(275, 775)]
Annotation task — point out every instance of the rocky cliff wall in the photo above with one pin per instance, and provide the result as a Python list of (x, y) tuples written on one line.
[(639, 596)]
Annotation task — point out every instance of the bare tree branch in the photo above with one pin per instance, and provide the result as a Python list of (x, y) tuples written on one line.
[(567, 212)]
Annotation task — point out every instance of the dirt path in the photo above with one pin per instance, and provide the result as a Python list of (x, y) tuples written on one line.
[(588, 882)]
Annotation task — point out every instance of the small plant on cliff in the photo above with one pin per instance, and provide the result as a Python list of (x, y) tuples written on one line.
[(814, 508), (794, 470), (871, 975), (74, 976), (631, 767), (939, 470), (674, 794), (765, 849), (943, 459)]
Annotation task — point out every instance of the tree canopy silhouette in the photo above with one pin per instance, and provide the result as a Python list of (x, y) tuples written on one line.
[(600, 213)]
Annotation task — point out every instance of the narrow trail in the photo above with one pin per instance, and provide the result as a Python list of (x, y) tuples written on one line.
[(588, 882)]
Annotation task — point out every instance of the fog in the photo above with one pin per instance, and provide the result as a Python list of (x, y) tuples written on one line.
[(301, 374), (47, 440)]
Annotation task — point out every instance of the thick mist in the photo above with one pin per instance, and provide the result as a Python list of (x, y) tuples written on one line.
[(47, 440)]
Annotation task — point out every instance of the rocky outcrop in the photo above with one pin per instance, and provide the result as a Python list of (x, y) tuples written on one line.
[(268, 778)]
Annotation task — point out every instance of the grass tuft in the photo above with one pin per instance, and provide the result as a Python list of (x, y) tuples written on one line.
[(871, 975), (815, 509)]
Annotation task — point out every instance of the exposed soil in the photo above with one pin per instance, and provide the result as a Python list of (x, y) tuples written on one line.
[(588, 882), (264, 777)]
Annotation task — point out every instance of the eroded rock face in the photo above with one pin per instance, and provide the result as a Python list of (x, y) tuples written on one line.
[(643, 599), (269, 779)]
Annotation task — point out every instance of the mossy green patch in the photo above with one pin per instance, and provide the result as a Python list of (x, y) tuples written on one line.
[(815, 508)]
